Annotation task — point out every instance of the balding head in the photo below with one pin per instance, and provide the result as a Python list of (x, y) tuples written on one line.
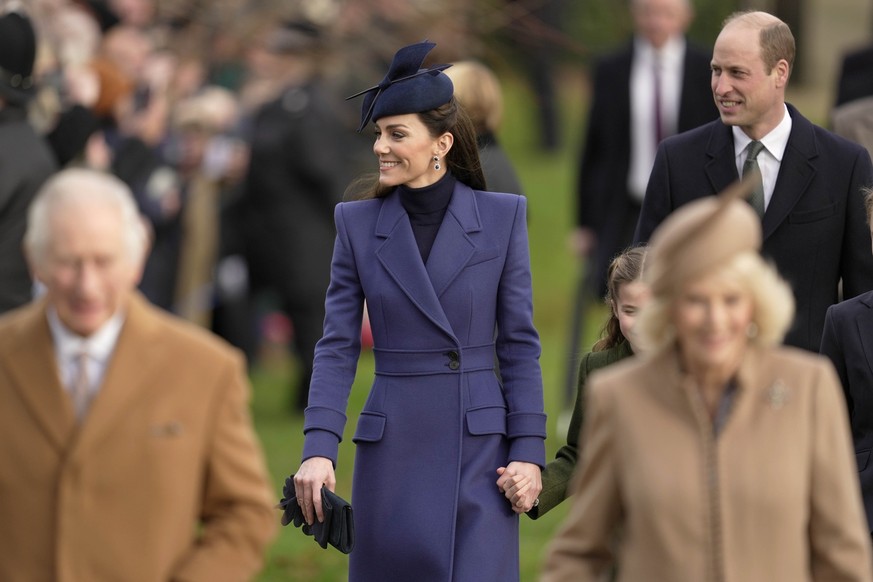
[(776, 40)]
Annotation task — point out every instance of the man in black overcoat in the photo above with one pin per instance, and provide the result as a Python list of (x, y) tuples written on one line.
[(813, 213)]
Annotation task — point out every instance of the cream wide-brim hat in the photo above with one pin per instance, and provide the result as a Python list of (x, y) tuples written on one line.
[(701, 236)]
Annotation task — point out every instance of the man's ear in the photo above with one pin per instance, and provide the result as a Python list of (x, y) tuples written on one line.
[(783, 71), (148, 239)]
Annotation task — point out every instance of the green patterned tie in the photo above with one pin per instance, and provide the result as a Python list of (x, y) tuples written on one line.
[(756, 199)]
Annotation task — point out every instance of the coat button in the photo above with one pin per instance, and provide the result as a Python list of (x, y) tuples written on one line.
[(454, 364)]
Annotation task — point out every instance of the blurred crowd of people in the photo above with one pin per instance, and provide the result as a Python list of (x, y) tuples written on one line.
[(226, 120)]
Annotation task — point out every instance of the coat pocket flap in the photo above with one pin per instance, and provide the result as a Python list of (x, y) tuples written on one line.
[(371, 425), (487, 420), (805, 216)]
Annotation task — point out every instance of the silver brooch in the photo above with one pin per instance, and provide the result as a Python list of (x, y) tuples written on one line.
[(777, 395)]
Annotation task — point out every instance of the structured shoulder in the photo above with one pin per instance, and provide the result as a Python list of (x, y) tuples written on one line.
[(498, 198), (357, 211), (626, 373), (185, 340), (358, 207), (854, 306), (830, 140), (13, 323), (697, 139), (793, 360)]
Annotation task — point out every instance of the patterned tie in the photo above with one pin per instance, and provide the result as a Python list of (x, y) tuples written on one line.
[(756, 199), (81, 392)]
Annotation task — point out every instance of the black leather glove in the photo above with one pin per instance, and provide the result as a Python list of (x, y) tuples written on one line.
[(338, 527)]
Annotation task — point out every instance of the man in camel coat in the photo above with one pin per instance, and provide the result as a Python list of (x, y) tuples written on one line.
[(136, 461)]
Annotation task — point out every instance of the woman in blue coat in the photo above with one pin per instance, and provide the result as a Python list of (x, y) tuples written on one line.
[(444, 267)]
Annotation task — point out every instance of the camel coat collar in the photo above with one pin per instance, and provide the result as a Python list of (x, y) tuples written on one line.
[(126, 381)]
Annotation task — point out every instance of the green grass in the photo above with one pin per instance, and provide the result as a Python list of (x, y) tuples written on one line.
[(548, 180)]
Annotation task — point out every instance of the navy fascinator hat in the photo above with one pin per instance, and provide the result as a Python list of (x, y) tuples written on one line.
[(407, 88)]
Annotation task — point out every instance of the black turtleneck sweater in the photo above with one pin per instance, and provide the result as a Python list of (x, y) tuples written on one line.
[(426, 208)]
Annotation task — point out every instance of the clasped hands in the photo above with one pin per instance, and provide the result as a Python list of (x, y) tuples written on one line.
[(521, 484)]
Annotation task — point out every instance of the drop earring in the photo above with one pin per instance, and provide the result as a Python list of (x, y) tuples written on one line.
[(436, 163)]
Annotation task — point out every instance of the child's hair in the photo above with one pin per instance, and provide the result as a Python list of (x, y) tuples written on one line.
[(626, 267)]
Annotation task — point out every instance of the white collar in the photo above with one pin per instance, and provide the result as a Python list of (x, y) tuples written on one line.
[(670, 54), (99, 345), (775, 142)]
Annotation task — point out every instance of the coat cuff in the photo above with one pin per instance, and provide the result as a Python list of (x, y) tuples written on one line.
[(528, 450), (321, 443), (323, 430), (323, 418), (526, 424)]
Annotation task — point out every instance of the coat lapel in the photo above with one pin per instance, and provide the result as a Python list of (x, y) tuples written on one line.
[(35, 376), (128, 376), (720, 169), (400, 257), (865, 329), (795, 172), (452, 248)]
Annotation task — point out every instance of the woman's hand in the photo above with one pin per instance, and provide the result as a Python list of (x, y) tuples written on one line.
[(312, 474), (521, 484)]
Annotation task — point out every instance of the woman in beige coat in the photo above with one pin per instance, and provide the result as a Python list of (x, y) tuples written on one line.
[(717, 455)]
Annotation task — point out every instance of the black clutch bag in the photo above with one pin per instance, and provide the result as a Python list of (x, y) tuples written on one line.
[(338, 527)]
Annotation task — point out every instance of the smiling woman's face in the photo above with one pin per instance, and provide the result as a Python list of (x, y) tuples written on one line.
[(712, 316), (405, 150)]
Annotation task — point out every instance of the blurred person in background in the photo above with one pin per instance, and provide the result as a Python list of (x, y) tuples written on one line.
[(69, 86), (478, 91), (717, 454), (655, 86), (129, 430), (532, 27), (211, 163), (296, 176), (855, 78), (25, 157)]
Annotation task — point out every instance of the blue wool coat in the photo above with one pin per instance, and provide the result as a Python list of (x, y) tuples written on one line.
[(437, 422)]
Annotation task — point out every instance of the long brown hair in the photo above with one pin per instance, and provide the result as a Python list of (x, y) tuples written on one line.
[(462, 160), (626, 267)]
